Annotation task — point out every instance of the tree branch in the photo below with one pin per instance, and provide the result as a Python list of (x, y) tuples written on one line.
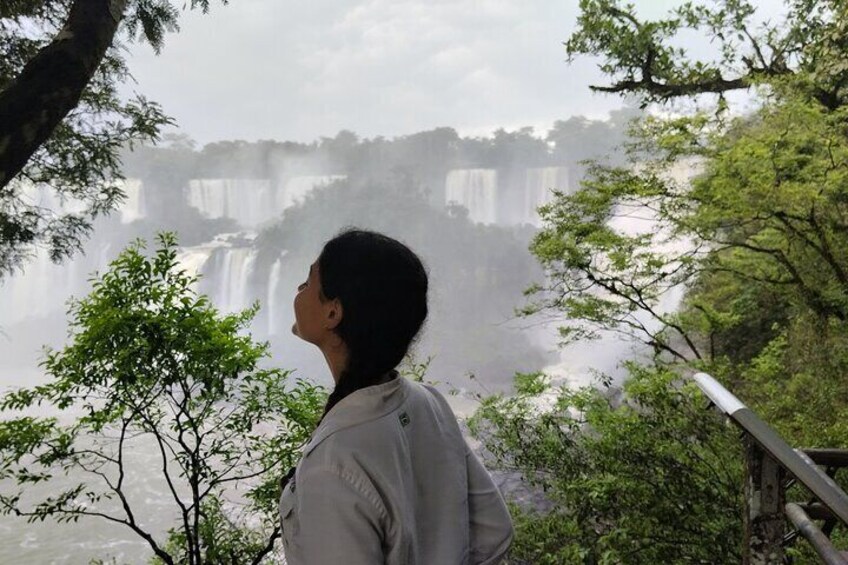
[(268, 547), (51, 84), (717, 85)]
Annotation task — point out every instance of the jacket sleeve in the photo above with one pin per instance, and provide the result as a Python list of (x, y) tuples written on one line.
[(490, 524), (337, 522)]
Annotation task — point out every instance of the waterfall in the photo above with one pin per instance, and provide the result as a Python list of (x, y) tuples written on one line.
[(133, 207), (224, 267), (40, 289), (227, 268), (273, 288), (45, 197), (249, 202), (476, 190), (227, 264), (295, 189), (44, 287), (194, 259), (537, 190), (635, 220), (238, 266)]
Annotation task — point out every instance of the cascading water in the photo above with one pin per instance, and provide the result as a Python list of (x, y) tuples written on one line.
[(633, 220), (195, 259), (225, 266), (46, 198), (249, 202), (133, 207), (537, 190), (44, 287), (235, 268), (273, 289), (476, 190)]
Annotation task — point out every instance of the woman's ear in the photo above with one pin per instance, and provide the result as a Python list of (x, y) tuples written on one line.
[(333, 314)]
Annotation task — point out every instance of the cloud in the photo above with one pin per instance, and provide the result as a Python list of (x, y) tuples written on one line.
[(270, 69)]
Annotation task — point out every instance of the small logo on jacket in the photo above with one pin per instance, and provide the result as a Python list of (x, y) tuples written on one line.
[(404, 419)]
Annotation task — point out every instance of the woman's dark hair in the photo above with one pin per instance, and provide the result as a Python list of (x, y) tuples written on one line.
[(382, 286)]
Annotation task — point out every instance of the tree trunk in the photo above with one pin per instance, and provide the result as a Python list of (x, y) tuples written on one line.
[(51, 84)]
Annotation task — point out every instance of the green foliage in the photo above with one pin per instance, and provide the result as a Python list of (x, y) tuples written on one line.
[(644, 57), (414, 369), (80, 161), (222, 539), (151, 363), (530, 383), (646, 476), (764, 215), (756, 244), (797, 382)]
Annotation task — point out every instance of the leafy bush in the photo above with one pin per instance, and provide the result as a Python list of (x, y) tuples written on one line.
[(153, 365), (645, 476)]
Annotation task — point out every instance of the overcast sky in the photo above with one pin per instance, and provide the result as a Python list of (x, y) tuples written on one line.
[(295, 70)]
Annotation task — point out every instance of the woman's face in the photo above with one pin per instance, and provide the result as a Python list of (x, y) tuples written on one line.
[(314, 318)]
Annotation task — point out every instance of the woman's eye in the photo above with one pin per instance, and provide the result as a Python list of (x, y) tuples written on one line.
[(303, 284)]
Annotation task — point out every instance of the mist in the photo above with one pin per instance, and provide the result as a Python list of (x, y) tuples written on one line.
[(442, 124)]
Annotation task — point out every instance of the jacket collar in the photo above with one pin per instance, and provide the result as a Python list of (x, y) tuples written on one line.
[(360, 406)]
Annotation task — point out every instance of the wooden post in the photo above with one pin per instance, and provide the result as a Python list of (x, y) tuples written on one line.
[(764, 501)]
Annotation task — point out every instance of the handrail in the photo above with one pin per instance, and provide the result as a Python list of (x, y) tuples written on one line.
[(767, 458), (810, 476), (820, 542), (828, 457)]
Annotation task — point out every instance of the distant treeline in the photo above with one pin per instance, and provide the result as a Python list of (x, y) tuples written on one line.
[(419, 155)]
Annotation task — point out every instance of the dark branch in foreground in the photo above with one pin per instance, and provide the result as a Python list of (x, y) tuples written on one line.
[(51, 84)]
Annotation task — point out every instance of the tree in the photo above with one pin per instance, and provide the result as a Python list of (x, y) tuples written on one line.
[(579, 139), (647, 477), (768, 208), (755, 242), (152, 365), (743, 218), (62, 122), (641, 59)]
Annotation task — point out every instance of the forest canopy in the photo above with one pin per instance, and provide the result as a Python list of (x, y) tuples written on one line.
[(750, 251)]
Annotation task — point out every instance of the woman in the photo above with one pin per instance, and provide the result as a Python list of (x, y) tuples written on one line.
[(387, 477)]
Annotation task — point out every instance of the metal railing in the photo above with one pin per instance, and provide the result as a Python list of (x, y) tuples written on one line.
[(772, 466)]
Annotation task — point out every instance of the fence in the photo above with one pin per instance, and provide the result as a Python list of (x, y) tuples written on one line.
[(771, 467)]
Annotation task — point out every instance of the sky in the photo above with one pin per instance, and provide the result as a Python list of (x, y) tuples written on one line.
[(286, 70), (272, 69)]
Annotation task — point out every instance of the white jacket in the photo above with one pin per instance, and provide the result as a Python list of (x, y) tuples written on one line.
[(387, 478)]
